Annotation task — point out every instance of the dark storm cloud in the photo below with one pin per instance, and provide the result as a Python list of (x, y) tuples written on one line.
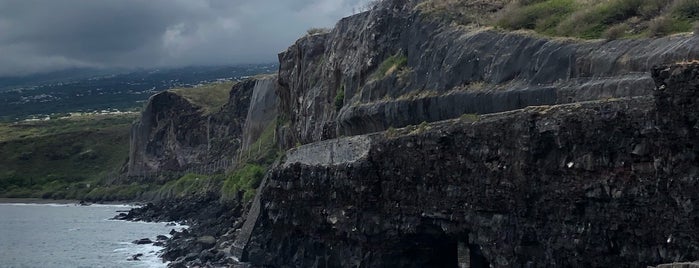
[(41, 35)]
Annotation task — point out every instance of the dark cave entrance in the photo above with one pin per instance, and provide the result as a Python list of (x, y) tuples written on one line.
[(430, 246), (471, 256)]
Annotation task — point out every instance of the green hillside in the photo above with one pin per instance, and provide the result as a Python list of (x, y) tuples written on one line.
[(61, 158)]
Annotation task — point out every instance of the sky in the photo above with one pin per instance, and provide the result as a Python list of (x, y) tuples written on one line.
[(49, 35)]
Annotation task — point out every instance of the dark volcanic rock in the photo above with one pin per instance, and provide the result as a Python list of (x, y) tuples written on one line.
[(211, 223), (206, 241), (135, 257), (449, 71), (680, 265), (173, 134), (595, 184), (143, 241)]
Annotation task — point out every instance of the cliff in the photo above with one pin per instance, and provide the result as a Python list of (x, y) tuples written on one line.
[(417, 142), (395, 66), (176, 134), (598, 177), (590, 184)]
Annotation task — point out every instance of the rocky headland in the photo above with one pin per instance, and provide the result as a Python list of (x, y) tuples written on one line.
[(411, 142)]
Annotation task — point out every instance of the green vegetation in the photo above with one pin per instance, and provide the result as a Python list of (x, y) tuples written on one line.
[(188, 185), (463, 12), (469, 117), (253, 163), (61, 158), (74, 157), (591, 19), (340, 98), (586, 19), (76, 154), (211, 97), (264, 150), (391, 132), (391, 65), (243, 180), (541, 16)]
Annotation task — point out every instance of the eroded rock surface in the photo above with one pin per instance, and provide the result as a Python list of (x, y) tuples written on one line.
[(592, 184), (174, 134), (448, 71)]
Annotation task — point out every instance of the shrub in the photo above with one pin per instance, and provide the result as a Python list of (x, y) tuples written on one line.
[(469, 117), (391, 132), (616, 31), (660, 26), (651, 9), (390, 65), (340, 98), (245, 180), (685, 9), (684, 13)]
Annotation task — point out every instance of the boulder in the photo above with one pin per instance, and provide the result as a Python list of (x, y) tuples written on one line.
[(207, 241), (135, 257), (142, 241), (191, 257)]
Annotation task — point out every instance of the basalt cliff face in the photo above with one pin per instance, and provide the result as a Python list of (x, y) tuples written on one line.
[(543, 152), (417, 143), (592, 184), (174, 134), (396, 66)]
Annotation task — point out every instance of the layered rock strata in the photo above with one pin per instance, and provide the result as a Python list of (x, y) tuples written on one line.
[(591, 184), (395, 66)]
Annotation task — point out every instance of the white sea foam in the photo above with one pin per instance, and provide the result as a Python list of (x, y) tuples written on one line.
[(76, 236), (149, 258), (112, 205)]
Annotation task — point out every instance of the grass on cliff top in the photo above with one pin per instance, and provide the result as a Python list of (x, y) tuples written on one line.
[(58, 158), (585, 19), (211, 97)]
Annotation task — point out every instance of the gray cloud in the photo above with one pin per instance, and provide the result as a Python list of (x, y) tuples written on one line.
[(39, 35)]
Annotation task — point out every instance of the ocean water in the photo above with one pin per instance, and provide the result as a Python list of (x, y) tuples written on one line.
[(68, 235)]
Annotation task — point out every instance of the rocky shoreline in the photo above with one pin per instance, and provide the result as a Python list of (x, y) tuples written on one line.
[(213, 226)]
